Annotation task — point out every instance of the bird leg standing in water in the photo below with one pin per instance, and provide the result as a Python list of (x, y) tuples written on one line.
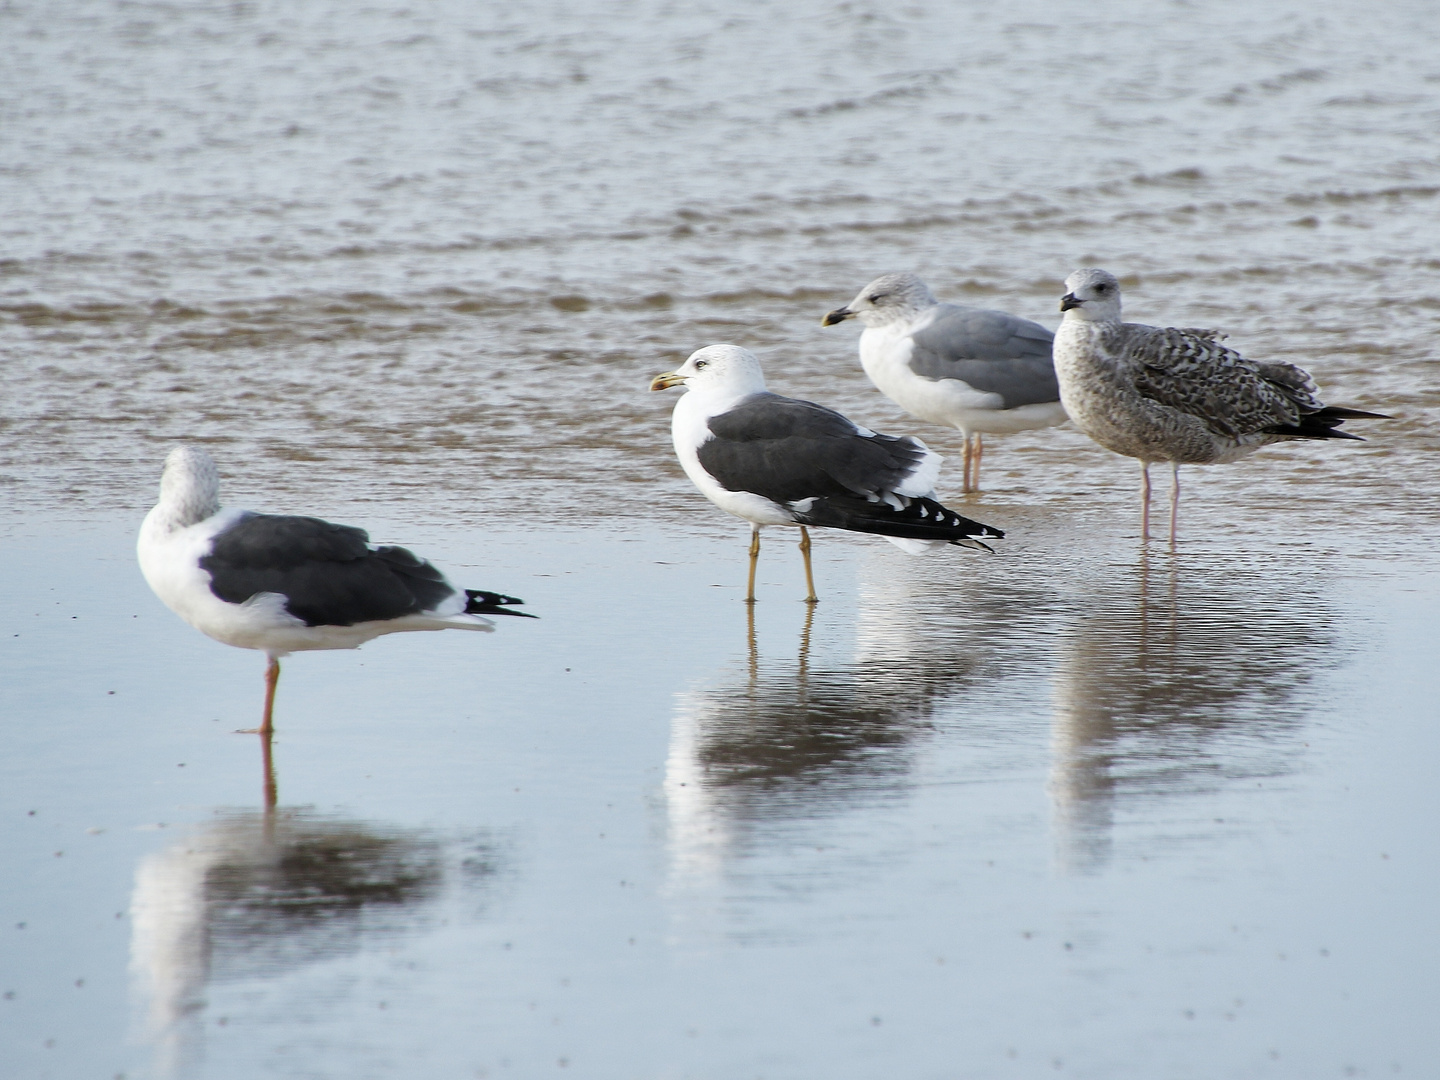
[(272, 679), (1144, 500), (810, 597), (754, 558), (1174, 500), (270, 790)]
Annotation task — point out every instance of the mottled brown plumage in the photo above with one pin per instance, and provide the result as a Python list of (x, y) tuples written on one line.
[(1177, 395)]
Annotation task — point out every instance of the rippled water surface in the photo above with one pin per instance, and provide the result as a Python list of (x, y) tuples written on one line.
[(1073, 809)]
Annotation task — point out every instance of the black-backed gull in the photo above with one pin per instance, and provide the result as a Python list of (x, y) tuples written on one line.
[(284, 584), (775, 460)]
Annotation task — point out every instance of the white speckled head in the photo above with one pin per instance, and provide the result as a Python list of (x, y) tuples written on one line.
[(723, 370), (889, 298), (1094, 295), (190, 486)]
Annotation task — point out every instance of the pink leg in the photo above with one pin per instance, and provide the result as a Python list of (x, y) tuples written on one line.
[(1144, 500), (965, 465), (268, 763), (272, 676), (1174, 500), (979, 453)]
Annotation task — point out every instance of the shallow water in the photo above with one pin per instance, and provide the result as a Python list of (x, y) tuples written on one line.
[(1071, 808)]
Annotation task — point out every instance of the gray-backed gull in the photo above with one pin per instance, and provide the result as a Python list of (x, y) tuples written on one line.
[(981, 371)]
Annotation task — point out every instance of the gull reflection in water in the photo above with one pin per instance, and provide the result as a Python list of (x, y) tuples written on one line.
[(257, 894), (788, 736), (1178, 678)]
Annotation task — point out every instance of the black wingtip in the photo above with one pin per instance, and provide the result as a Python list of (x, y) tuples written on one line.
[(480, 602), (919, 519)]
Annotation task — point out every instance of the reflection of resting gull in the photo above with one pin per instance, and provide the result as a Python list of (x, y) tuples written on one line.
[(261, 894), (1166, 394), (774, 460), (287, 584), (967, 368)]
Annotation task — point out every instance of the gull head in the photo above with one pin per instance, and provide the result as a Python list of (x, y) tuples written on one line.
[(726, 369), (1094, 295), (887, 299), (190, 485)]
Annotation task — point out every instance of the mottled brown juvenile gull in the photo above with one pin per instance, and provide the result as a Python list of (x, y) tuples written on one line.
[(1167, 394), (775, 460), (285, 584), (977, 370)]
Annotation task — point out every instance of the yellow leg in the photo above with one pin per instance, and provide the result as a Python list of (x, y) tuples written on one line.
[(754, 558), (965, 465), (1144, 500), (809, 577), (272, 676), (975, 469)]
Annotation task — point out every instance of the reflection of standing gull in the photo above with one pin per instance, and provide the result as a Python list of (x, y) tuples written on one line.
[(260, 894), (794, 739), (1174, 682), (284, 584)]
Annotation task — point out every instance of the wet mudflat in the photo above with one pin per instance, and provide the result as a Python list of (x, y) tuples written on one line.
[(1077, 808), (1078, 811)]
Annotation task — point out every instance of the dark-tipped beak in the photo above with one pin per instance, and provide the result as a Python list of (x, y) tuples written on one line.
[(667, 380), (839, 315), (1070, 300)]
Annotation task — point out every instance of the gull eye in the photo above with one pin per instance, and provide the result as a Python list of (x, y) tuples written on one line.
[(700, 364), (877, 296)]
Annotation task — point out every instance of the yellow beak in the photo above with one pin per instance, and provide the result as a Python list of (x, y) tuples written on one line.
[(667, 380)]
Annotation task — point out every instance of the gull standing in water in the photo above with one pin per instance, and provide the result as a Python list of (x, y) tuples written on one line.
[(775, 460), (969, 368), (1176, 395), (285, 584)]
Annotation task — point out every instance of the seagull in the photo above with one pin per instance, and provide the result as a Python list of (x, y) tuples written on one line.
[(285, 584), (775, 460), (1176, 395), (968, 368)]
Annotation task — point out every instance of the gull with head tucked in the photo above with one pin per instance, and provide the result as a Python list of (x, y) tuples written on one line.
[(977, 370), (1176, 395), (775, 460), (283, 584)]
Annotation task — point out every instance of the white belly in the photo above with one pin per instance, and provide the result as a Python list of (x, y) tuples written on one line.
[(885, 356), (688, 428)]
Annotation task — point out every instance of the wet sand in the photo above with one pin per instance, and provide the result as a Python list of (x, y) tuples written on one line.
[(1128, 815), (1077, 808)]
